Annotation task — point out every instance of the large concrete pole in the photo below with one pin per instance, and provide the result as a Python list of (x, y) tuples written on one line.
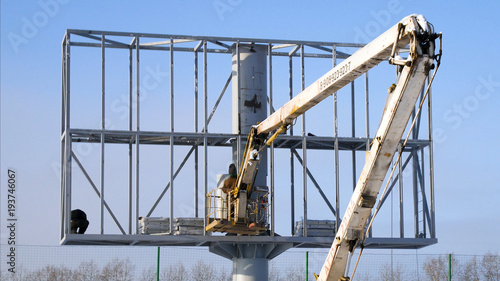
[(250, 269), (249, 97), (249, 107)]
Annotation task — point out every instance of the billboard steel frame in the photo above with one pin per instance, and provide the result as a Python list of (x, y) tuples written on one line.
[(200, 139)]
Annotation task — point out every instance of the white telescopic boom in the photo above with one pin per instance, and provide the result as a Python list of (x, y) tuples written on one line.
[(399, 106), (412, 31), (351, 68)]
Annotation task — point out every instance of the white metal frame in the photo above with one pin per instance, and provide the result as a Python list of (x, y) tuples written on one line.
[(201, 138)]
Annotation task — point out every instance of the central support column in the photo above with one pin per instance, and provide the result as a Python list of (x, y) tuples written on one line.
[(249, 87), (250, 260), (250, 269)]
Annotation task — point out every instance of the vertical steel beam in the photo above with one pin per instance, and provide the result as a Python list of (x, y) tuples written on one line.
[(205, 146), (401, 204), (103, 126), (431, 164), (353, 134), (238, 70), (413, 115), (68, 164), (138, 129), (137, 82), (196, 129), (271, 149), (422, 187), (415, 166), (62, 214), (130, 160), (236, 158), (68, 174), (304, 144), (103, 82), (238, 151), (367, 113), (416, 130), (63, 139), (336, 148), (172, 129), (66, 147), (63, 84), (425, 207), (393, 183), (367, 121), (292, 168), (196, 181), (415, 193)]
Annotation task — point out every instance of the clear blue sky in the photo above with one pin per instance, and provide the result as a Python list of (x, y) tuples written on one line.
[(466, 91)]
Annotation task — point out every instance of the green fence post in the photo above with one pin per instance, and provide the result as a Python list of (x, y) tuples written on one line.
[(449, 267), (158, 265), (307, 265)]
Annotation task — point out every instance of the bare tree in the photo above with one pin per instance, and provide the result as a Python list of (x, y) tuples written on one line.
[(363, 276), (26, 276), (149, 274), (490, 267), (20, 275), (51, 273), (273, 274), (470, 270), (390, 273), (118, 270), (295, 274), (175, 273), (435, 268), (202, 272), (87, 271), (224, 275)]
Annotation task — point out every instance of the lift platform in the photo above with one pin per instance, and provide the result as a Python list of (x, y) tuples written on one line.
[(245, 212)]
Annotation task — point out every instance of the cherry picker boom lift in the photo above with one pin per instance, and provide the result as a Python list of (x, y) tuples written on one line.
[(413, 32)]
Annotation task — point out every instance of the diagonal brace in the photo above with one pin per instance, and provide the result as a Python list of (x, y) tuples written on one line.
[(315, 183), (96, 191)]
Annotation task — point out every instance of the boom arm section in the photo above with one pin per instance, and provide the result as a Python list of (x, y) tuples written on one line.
[(399, 106), (351, 68), (412, 31), (385, 46)]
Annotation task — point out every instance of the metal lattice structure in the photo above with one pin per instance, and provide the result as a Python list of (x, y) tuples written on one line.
[(195, 144)]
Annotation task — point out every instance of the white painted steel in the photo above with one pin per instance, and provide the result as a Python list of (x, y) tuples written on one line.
[(138, 138), (399, 106), (250, 269), (344, 73)]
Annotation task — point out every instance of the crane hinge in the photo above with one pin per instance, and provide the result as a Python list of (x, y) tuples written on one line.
[(399, 61)]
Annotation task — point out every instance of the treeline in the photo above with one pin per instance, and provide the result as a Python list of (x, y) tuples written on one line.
[(124, 270), (435, 268), (474, 268), (116, 269)]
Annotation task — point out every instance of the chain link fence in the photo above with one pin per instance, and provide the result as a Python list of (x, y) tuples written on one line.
[(89, 263)]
